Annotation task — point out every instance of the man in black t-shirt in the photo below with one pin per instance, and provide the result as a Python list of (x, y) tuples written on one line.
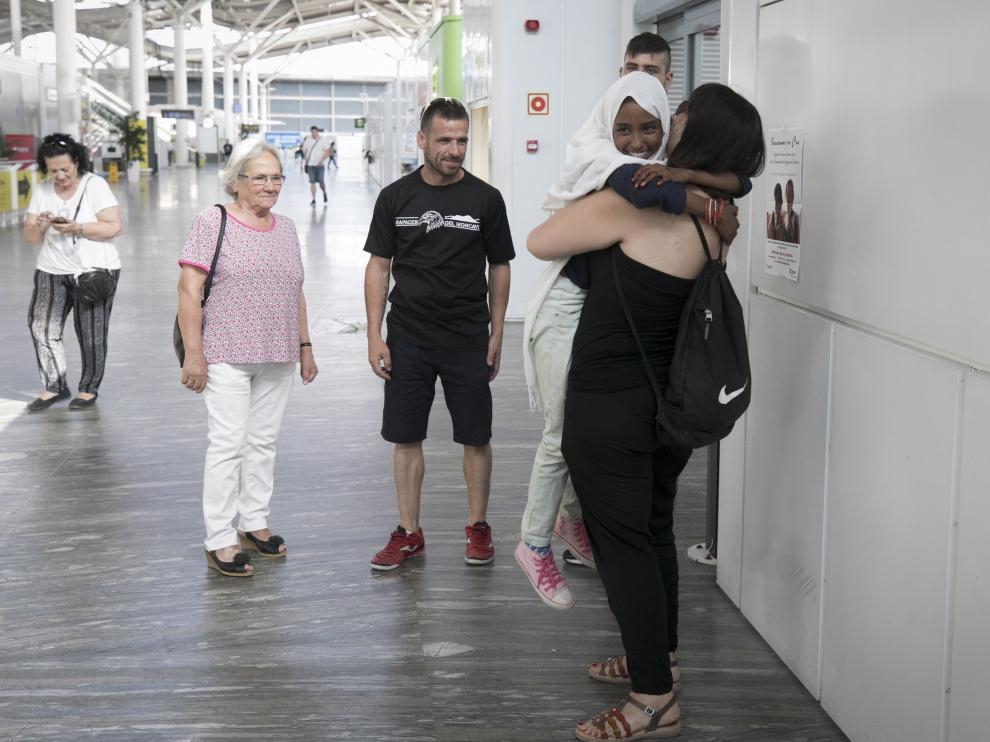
[(435, 231)]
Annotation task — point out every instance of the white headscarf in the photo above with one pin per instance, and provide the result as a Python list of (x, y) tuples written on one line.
[(591, 155)]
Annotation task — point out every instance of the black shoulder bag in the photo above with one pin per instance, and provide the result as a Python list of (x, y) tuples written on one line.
[(177, 343), (99, 284), (708, 385)]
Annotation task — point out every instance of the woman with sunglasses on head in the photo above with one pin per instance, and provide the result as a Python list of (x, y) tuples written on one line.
[(241, 349), (74, 217), (625, 480)]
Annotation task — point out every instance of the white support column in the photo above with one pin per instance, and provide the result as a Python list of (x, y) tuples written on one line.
[(263, 116), (254, 92), (15, 25), (181, 93), (255, 95), (66, 83), (229, 130), (42, 102), (206, 20), (242, 94), (138, 72)]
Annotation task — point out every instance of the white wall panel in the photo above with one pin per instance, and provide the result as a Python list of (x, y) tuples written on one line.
[(887, 525), (739, 37), (574, 57), (785, 482), (969, 712), (836, 70)]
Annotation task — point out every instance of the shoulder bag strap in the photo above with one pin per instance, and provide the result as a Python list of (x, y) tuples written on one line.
[(704, 242), (632, 326), (79, 203), (216, 255)]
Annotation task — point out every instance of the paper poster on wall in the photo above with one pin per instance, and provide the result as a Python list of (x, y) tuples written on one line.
[(784, 203)]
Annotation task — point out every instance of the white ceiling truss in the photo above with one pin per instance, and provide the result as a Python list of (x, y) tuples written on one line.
[(273, 27)]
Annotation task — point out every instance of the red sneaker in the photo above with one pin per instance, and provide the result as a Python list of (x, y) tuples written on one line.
[(479, 548), (401, 545)]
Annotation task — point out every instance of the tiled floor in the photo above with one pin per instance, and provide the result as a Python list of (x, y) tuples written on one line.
[(112, 628)]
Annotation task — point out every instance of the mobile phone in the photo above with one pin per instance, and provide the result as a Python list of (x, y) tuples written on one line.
[(59, 220)]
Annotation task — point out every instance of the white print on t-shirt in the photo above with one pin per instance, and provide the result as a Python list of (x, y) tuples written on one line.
[(434, 220)]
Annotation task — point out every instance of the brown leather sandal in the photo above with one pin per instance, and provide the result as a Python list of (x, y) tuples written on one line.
[(614, 671), (612, 723)]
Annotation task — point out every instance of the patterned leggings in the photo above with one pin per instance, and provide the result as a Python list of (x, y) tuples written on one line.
[(53, 298)]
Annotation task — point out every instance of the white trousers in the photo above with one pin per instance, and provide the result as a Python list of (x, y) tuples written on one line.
[(245, 404), (551, 340)]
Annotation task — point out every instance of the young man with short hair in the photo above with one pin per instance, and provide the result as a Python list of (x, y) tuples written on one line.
[(648, 53), (316, 150), (436, 231)]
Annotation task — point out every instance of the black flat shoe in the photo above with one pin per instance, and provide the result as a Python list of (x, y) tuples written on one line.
[(39, 404), (81, 404), (267, 548), (236, 568)]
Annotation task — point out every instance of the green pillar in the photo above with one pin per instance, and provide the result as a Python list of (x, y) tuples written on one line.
[(445, 58)]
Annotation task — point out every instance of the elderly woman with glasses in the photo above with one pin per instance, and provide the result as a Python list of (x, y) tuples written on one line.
[(242, 347)]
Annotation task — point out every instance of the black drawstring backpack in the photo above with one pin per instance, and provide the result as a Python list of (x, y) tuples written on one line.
[(708, 384)]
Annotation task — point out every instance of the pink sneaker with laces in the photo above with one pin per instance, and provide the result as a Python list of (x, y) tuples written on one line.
[(544, 576), (575, 535)]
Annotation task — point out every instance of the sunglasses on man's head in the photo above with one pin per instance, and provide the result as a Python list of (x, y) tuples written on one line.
[(437, 101)]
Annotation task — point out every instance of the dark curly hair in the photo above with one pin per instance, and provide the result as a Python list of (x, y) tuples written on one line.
[(62, 144)]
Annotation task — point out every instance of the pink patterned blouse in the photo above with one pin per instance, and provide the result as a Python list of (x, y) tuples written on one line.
[(252, 315)]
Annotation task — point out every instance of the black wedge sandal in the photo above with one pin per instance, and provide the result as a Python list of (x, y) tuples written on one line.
[(268, 549), (236, 568)]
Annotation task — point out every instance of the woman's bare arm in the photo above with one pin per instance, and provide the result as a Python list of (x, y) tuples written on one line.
[(591, 223)]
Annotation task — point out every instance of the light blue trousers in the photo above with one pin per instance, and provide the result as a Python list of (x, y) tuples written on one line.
[(550, 488)]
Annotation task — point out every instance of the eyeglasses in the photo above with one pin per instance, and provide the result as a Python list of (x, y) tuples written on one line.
[(259, 181)]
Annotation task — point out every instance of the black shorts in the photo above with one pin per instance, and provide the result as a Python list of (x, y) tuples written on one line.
[(409, 395)]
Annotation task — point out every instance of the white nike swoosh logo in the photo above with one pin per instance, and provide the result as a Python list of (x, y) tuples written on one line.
[(724, 398)]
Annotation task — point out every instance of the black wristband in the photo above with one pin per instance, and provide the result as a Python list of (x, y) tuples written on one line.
[(305, 345)]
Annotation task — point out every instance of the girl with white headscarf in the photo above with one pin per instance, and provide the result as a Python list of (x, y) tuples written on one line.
[(625, 477), (605, 150)]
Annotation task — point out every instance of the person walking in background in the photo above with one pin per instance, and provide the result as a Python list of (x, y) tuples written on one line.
[(242, 349), (333, 154), (73, 215), (316, 150), (436, 230)]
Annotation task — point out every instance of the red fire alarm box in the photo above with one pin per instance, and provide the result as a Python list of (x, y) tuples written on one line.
[(532, 25), (532, 145)]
